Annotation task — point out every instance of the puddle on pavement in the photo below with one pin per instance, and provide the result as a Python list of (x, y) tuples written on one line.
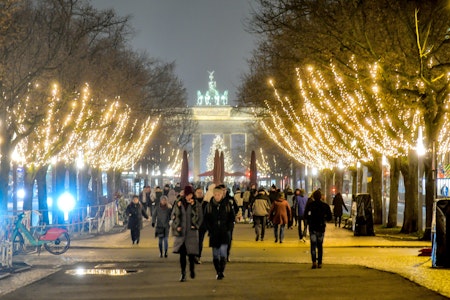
[(110, 270)]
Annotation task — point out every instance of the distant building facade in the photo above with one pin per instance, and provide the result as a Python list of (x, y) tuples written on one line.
[(215, 117)]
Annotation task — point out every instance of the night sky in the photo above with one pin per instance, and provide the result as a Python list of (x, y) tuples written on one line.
[(199, 35)]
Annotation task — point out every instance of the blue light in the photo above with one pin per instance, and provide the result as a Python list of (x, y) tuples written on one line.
[(66, 202)]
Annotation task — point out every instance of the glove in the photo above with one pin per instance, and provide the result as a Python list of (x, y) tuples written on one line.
[(153, 224)]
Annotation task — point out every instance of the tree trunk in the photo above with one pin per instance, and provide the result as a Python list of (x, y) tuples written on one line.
[(28, 184), (409, 171), (375, 187), (5, 168), (14, 189), (355, 179), (118, 182), (429, 195), (110, 185), (393, 193), (41, 179), (59, 189), (83, 178)]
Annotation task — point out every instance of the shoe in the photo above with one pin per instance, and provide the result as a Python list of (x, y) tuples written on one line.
[(137, 242), (281, 241), (276, 240), (197, 260), (165, 254), (314, 265), (262, 239), (160, 255), (183, 277), (319, 266), (257, 238), (219, 276), (192, 274)]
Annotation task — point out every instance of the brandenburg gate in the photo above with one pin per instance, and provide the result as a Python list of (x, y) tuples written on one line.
[(215, 117)]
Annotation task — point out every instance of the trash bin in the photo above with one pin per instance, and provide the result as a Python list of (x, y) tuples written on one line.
[(364, 215), (440, 253)]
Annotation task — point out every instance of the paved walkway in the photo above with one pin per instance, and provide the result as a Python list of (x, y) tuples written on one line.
[(341, 249)]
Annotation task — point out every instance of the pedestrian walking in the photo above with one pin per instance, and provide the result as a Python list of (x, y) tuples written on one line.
[(161, 219), (245, 205), (289, 194), (279, 215), (186, 219), (338, 203), (144, 197), (219, 219), (240, 203), (300, 201), (230, 200), (135, 212), (261, 208), (198, 196), (318, 213)]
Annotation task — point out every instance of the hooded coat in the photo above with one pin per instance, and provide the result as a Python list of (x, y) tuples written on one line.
[(188, 217)]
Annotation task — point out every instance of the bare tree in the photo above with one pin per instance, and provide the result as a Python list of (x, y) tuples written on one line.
[(38, 42), (406, 39)]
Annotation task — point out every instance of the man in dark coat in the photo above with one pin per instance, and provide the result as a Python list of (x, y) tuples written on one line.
[(219, 219), (318, 213)]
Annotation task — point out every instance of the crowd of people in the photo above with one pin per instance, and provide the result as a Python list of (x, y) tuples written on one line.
[(189, 214)]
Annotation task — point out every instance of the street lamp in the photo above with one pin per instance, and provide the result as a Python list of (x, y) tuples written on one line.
[(420, 148)]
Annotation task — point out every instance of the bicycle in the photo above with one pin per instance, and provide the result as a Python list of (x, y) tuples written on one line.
[(55, 240)]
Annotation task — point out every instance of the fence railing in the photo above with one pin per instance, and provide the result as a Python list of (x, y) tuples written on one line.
[(83, 220)]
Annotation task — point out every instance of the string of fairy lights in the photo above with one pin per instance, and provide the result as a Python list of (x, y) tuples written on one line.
[(337, 122), (105, 137)]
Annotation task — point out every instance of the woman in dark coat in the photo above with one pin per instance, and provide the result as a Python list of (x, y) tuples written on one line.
[(338, 203), (161, 218), (186, 221), (219, 221), (135, 211)]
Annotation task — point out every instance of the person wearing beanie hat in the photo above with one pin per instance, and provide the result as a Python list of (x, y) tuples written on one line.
[(186, 221), (188, 190), (317, 213)]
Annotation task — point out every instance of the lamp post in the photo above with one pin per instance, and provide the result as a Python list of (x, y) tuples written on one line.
[(420, 152)]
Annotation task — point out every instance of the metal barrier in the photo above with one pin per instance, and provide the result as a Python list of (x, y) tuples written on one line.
[(85, 220), (6, 226)]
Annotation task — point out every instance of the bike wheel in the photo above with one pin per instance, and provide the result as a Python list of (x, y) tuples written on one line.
[(60, 245), (18, 243)]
